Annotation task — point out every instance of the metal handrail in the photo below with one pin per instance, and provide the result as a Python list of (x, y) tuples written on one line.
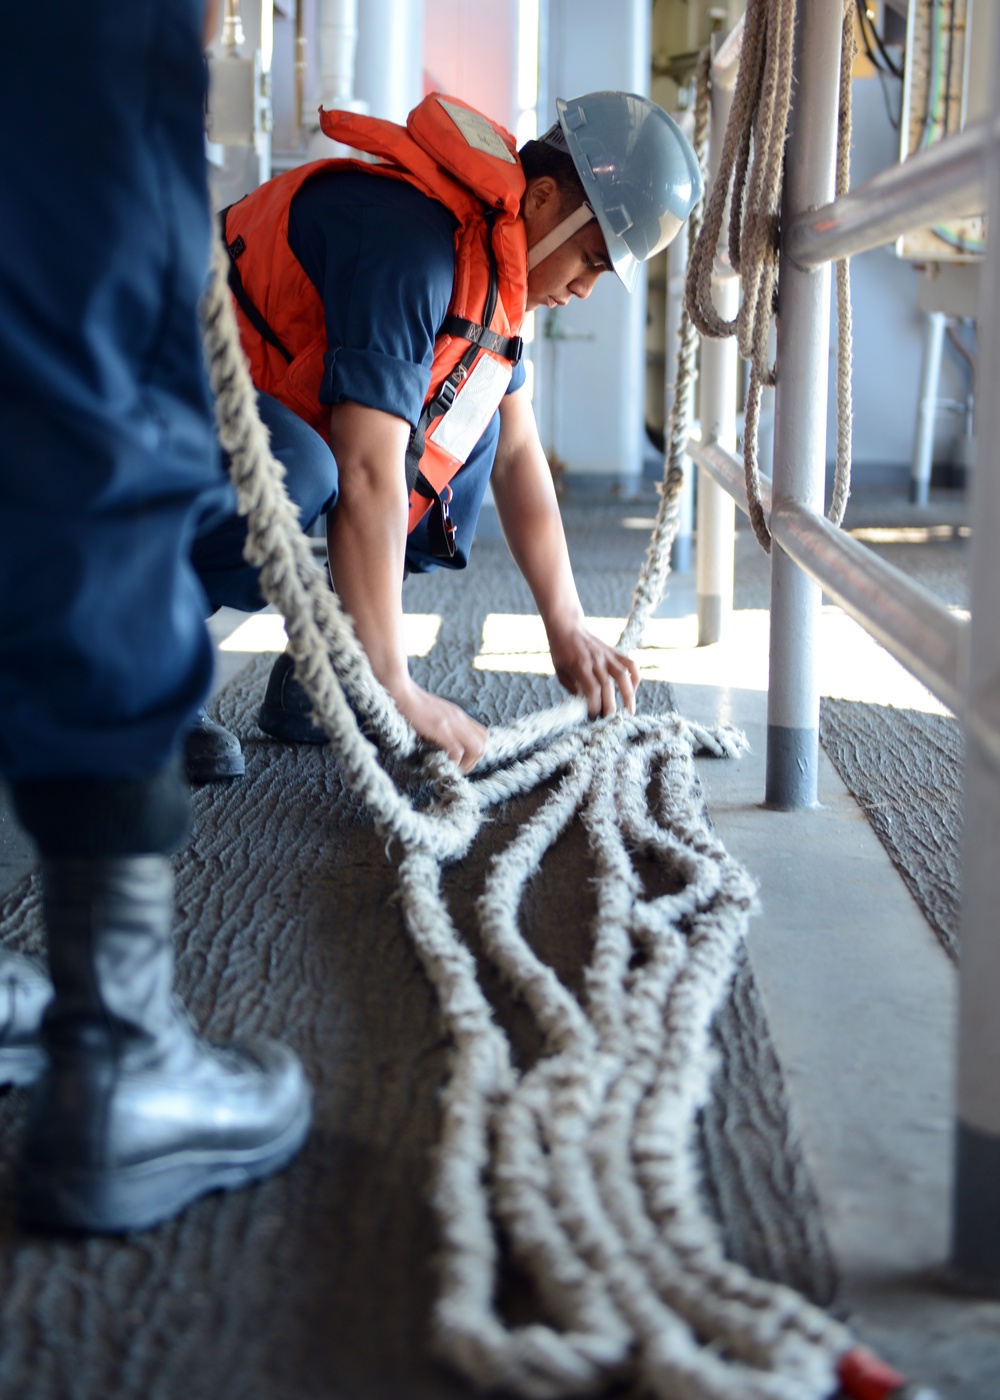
[(942, 182), (902, 616)]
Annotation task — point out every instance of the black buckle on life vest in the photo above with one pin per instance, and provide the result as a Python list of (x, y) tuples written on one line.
[(448, 391), (440, 527), (445, 396)]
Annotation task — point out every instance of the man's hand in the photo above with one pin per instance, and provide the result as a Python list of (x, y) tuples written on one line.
[(589, 667), (441, 723)]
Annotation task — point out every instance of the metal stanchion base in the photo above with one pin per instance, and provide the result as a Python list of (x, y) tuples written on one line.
[(975, 1255), (792, 768), (919, 492), (709, 620)]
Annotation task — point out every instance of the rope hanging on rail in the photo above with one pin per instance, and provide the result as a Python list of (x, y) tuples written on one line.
[(749, 177), (586, 1160)]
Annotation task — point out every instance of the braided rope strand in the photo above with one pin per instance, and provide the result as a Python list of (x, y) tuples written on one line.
[(586, 1158), (842, 274)]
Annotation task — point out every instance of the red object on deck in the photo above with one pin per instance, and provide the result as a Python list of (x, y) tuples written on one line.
[(863, 1376)]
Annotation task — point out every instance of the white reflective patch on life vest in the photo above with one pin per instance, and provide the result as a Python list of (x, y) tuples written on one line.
[(475, 404), (477, 131)]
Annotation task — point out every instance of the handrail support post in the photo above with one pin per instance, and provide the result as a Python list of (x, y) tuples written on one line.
[(800, 412)]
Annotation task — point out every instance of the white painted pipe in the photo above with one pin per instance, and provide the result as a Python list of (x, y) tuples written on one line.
[(337, 36), (800, 409), (716, 527), (927, 406), (715, 554), (389, 66)]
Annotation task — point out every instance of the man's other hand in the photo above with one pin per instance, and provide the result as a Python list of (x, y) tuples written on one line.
[(589, 667), (443, 724)]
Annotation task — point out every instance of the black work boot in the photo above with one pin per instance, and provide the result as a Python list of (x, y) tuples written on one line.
[(287, 710), (136, 1116), (211, 753), (25, 991)]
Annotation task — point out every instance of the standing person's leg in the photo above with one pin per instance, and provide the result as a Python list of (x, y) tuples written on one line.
[(109, 460)]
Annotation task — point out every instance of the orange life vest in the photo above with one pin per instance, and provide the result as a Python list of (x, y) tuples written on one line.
[(455, 155)]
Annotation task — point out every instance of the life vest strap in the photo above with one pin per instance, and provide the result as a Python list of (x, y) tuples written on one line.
[(509, 347), (235, 249), (439, 404)]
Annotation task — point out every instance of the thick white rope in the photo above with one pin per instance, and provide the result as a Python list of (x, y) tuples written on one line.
[(586, 1158)]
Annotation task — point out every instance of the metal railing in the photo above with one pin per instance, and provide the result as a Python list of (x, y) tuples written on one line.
[(958, 660)]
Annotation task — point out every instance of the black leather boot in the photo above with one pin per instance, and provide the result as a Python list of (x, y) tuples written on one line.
[(25, 991), (136, 1116), (211, 753), (287, 710)]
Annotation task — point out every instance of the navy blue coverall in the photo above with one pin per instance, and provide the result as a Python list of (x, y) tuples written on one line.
[(107, 449)]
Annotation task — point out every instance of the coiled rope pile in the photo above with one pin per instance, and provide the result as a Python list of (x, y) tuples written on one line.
[(585, 1159)]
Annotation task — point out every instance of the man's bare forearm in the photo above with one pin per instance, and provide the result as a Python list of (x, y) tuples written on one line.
[(366, 534)]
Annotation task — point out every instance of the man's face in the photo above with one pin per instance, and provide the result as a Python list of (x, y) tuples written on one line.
[(571, 269)]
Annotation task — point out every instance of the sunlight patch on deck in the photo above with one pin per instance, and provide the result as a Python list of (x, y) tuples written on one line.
[(851, 666), (265, 631)]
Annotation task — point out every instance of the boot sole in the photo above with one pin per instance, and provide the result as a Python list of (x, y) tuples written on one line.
[(216, 772), (123, 1199)]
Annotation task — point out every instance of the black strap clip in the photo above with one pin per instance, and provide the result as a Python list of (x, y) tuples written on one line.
[(447, 393), (441, 527)]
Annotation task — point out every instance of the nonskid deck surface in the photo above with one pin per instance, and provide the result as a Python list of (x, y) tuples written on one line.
[(319, 1282)]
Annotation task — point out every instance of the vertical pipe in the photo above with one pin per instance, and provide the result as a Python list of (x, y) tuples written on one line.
[(677, 256), (716, 508), (930, 375), (975, 1252), (717, 393), (336, 45), (301, 61), (389, 69), (800, 407), (337, 39)]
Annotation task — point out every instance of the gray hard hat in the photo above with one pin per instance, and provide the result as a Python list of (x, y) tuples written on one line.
[(638, 169)]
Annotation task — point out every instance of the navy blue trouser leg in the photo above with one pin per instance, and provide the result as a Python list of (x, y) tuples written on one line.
[(311, 481), (107, 445)]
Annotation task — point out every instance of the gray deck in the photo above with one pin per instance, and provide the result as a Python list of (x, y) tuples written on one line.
[(853, 988)]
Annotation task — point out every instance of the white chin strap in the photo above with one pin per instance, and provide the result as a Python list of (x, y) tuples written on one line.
[(556, 237)]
